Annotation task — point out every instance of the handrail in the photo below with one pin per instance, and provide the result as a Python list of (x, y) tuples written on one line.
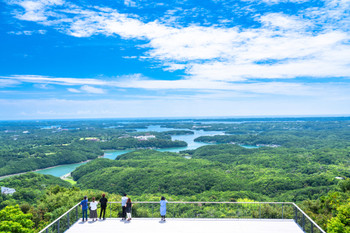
[(206, 202), (191, 202), (318, 227), (59, 218)]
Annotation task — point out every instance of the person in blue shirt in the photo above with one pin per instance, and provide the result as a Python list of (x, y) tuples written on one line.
[(163, 208), (84, 207)]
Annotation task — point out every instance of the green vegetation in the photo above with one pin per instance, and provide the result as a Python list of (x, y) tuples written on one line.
[(309, 135), (29, 187), (27, 146), (305, 161), (278, 174), (133, 143), (13, 220)]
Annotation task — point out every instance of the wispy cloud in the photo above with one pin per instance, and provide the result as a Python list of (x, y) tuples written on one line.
[(43, 86), (73, 90), (130, 3), (284, 46), (54, 80), (90, 89), (27, 33), (252, 60), (281, 1), (8, 82), (137, 81)]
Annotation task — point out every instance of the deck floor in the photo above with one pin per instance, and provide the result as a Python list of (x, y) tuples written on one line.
[(188, 225)]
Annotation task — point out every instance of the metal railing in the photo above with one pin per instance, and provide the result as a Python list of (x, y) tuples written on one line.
[(246, 210), (65, 221)]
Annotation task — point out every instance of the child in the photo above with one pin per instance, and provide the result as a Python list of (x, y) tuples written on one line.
[(163, 208)]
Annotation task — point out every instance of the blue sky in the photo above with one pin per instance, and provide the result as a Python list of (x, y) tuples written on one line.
[(188, 58)]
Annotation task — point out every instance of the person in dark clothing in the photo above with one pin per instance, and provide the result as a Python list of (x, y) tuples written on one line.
[(103, 202), (128, 208), (124, 199)]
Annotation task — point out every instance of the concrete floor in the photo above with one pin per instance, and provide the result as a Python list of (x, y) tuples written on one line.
[(178, 225)]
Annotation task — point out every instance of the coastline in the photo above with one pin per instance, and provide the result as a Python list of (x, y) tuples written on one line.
[(68, 174), (21, 173), (65, 176)]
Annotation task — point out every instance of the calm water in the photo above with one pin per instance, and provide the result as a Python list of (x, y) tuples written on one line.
[(60, 170), (65, 169)]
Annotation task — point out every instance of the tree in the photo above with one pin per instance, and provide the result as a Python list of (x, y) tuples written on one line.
[(13, 220), (340, 223)]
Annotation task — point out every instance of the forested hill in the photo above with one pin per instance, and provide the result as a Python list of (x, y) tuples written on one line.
[(229, 172), (30, 187), (309, 135), (27, 146), (278, 174), (303, 162)]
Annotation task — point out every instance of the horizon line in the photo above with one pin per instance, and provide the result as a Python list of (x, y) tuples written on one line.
[(188, 118)]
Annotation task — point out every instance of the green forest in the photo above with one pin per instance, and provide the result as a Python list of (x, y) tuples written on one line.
[(28, 146), (306, 162)]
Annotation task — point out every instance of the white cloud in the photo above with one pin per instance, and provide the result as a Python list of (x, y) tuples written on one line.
[(213, 58), (221, 64), (8, 82), (27, 33), (282, 21), (93, 90), (137, 81), (36, 10), (43, 86), (287, 44), (55, 80), (130, 3), (73, 90), (281, 1)]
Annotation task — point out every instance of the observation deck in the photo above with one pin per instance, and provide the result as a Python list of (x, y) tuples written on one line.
[(193, 217), (186, 225)]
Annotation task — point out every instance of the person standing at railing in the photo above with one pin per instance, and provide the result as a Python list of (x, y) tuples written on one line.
[(84, 207), (103, 202), (93, 209), (128, 206), (124, 199), (163, 202)]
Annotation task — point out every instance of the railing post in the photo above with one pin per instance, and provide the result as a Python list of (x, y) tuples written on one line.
[(47, 230), (152, 210), (282, 211), (303, 222), (68, 219), (312, 227), (110, 210), (259, 210), (76, 213), (58, 226), (295, 215)]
